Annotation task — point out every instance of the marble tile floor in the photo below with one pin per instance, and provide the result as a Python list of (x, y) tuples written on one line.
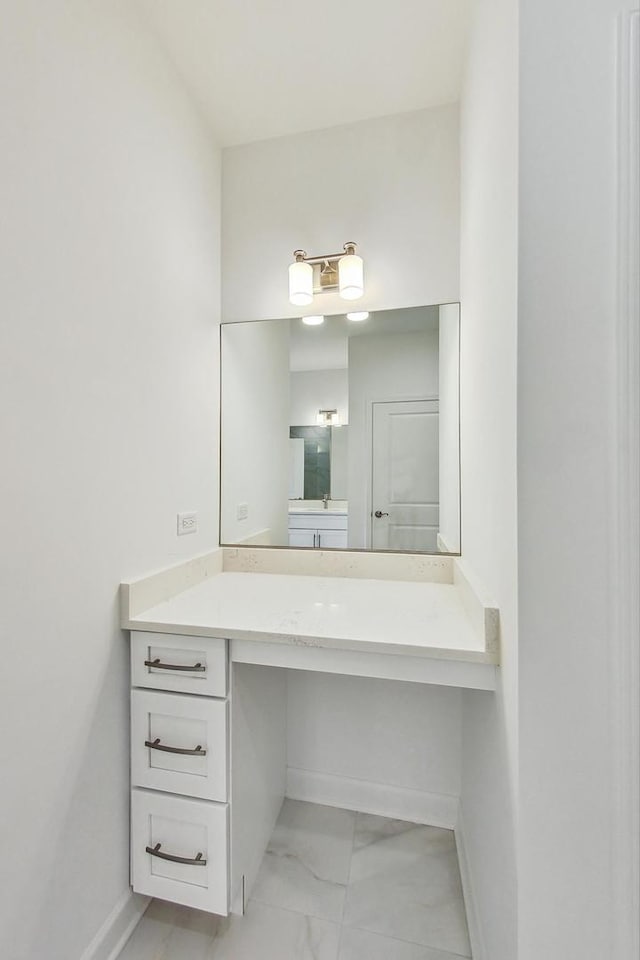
[(333, 885)]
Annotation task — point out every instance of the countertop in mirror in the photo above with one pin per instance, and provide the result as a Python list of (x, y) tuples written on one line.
[(329, 512)]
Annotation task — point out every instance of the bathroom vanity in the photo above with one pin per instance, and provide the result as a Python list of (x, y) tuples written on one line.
[(211, 643), (318, 526)]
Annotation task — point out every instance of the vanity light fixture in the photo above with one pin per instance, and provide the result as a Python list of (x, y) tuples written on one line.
[(300, 280), (328, 418), (313, 321), (334, 271), (358, 315), (350, 274)]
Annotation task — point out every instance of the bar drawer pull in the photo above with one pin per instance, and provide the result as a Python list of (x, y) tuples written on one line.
[(196, 668), (156, 745), (196, 861)]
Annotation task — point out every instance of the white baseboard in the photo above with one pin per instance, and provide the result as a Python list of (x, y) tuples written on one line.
[(400, 803), (478, 951), (117, 928)]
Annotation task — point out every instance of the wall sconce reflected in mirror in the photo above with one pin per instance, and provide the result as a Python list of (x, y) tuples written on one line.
[(312, 321), (341, 271), (328, 418)]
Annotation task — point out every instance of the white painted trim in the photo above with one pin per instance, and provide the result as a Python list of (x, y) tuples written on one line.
[(625, 613), (476, 938), (381, 799), (117, 928)]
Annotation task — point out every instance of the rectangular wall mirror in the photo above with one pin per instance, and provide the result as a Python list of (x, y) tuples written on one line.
[(344, 434)]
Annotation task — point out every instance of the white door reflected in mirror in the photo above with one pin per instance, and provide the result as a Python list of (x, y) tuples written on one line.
[(405, 473), (386, 478)]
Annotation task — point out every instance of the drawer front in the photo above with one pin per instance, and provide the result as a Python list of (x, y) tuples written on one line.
[(301, 523), (192, 830), (331, 523), (318, 521), (163, 724), (186, 664)]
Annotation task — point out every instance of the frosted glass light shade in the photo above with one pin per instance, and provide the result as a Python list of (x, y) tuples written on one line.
[(300, 283), (350, 277)]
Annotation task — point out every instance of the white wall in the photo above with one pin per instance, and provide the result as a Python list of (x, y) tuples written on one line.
[(313, 390), (108, 386), (255, 431), (405, 735), (339, 463), (567, 331), (400, 366), (390, 184), (449, 425), (488, 330)]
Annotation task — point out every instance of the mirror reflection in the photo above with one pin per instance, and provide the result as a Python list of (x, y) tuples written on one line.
[(342, 434)]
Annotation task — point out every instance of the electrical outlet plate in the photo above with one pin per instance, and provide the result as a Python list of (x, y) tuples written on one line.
[(187, 523), (242, 511)]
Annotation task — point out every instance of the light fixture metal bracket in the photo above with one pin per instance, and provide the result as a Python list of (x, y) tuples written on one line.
[(328, 418), (325, 267)]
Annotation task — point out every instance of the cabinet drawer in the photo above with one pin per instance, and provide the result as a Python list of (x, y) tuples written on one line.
[(301, 523), (318, 521), (179, 744), (189, 840), (186, 664)]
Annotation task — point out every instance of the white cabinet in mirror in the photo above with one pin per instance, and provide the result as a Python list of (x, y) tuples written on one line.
[(343, 434)]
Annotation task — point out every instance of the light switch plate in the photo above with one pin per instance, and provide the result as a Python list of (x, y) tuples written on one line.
[(242, 511)]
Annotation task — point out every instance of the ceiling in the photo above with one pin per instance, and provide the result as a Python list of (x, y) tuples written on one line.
[(267, 68)]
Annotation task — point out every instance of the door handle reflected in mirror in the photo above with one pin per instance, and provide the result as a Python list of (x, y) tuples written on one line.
[(379, 514)]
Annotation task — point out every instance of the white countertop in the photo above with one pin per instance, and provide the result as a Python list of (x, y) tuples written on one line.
[(381, 616)]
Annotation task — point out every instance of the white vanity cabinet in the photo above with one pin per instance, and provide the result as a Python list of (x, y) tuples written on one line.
[(180, 769), (320, 530), (209, 715)]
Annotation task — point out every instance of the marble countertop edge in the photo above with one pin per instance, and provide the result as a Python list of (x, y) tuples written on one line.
[(445, 621), (328, 643)]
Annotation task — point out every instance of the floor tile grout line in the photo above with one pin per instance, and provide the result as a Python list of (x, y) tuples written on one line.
[(412, 824), (346, 892), (412, 943), (298, 913)]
